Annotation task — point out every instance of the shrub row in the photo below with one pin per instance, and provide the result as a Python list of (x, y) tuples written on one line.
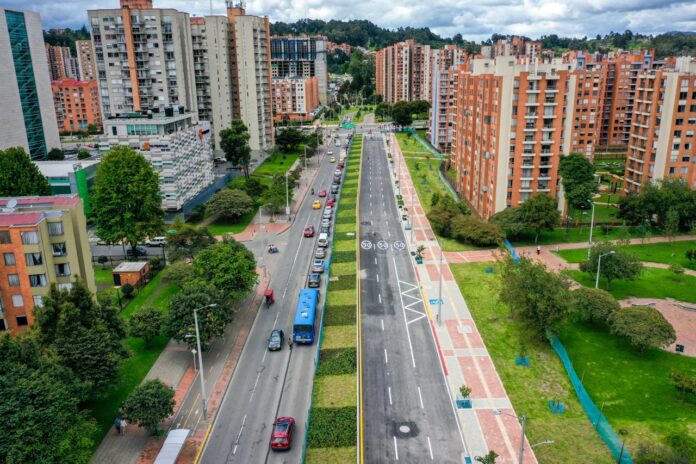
[(344, 282), (339, 315), (332, 427), (337, 361), (342, 257)]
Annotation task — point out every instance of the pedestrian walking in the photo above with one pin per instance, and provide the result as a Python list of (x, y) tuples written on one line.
[(290, 342), (124, 424), (538, 249), (117, 425)]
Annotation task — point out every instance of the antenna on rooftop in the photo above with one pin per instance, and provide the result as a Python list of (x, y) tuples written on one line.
[(11, 204)]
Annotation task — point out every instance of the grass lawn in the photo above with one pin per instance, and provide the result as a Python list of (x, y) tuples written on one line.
[(667, 253), (581, 234), (652, 283), (277, 164), (335, 391), (225, 226), (604, 214), (103, 277), (324, 455), (634, 388), (530, 388)]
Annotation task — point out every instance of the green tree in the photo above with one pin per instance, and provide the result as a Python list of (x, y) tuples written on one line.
[(632, 209), (685, 382), (41, 421), (83, 153), (229, 266), (92, 129), (671, 224), (473, 230), (145, 323), (594, 304), (126, 203), (179, 274), (234, 142), (274, 198), (643, 327), (578, 180), (87, 335), (187, 240), (230, 204), (252, 186), (149, 404), (127, 290), (539, 299), (212, 321), (401, 114), (19, 176), (618, 265), (56, 154), (509, 220), (288, 139), (488, 458), (538, 213)]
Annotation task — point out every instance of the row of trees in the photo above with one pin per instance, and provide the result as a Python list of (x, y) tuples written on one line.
[(670, 203), (453, 219), (402, 113)]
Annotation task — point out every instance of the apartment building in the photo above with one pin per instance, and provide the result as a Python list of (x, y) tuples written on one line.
[(590, 85), (43, 241), (61, 63), (85, 60), (71, 177), (295, 98), (303, 56), (518, 47), (510, 130), (176, 144), (443, 109), (212, 57), (251, 74), (77, 104), (662, 140), (28, 118), (144, 58)]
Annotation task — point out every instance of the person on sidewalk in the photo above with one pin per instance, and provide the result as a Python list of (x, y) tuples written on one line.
[(290, 342), (124, 425), (117, 425), (538, 249)]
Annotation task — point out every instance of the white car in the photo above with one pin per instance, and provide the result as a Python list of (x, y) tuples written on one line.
[(156, 242)]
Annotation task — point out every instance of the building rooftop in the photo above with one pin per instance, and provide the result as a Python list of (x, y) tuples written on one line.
[(64, 167), (20, 219), (24, 203), (150, 118), (130, 266), (73, 83)]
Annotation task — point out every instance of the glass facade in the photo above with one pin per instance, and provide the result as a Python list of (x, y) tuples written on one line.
[(28, 94)]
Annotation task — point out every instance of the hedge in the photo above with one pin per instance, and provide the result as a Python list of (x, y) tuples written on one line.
[(339, 315), (332, 427), (342, 256), (337, 361), (344, 282)]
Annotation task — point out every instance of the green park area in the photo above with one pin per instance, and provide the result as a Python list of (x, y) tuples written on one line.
[(332, 420), (662, 252)]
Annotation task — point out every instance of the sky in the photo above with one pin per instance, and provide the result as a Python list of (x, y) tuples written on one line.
[(475, 20)]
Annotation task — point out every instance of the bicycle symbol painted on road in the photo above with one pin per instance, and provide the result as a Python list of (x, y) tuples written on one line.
[(382, 245), (399, 245), (366, 245)]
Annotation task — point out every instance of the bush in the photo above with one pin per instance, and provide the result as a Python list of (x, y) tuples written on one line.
[(676, 269), (102, 260), (685, 382), (473, 230), (332, 427), (179, 274), (344, 282), (595, 305), (127, 290), (155, 262), (339, 315), (643, 327), (337, 361), (691, 255), (83, 153), (197, 214)]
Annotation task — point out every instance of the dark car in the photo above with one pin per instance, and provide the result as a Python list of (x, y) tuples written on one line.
[(275, 342), (325, 229), (314, 280), (334, 188), (309, 231), (139, 251), (283, 431)]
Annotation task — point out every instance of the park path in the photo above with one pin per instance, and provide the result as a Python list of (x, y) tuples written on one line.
[(463, 353)]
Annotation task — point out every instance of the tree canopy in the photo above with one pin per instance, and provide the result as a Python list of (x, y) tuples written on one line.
[(643, 327), (234, 142), (230, 204), (187, 240), (578, 180), (288, 139), (145, 323), (617, 265), (19, 176), (126, 203), (229, 266), (149, 404), (594, 304)]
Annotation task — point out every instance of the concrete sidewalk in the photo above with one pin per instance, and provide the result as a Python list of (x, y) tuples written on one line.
[(463, 353)]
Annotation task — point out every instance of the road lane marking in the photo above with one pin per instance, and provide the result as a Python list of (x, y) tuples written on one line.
[(396, 450), (390, 397), (382, 321), (375, 260), (386, 358), (239, 435), (403, 310), (253, 390), (430, 448), (380, 298), (420, 397), (377, 278)]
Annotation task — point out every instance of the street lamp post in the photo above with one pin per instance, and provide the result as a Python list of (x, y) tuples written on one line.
[(193, 352), (287, 197), (200, 358), (523, 422), (305, 157), (589, 245), (599, 265), (439, 285)]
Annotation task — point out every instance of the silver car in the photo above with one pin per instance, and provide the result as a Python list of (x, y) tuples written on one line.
[(320, 253)]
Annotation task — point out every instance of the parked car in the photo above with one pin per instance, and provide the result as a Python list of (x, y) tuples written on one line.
[(337, 172), (309, 231), (333, 197), (332, 159), (282, 434), (139, 251), (324, 229), (334, 188), (156, 242), (330, 203), (323, 240), (275, 342), (337, 179), (327, 214), (314, 280), (320, 253), (316, 204), (317, 266), (322, 193)]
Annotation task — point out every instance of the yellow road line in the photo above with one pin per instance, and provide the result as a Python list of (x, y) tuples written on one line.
[(361, 458), (203, 443)]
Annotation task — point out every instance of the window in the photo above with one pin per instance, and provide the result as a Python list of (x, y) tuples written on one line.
[(17, 301), (33, 259), (30, 238), (63, 269), (22, 320), (13, 280), (55, 228), (67, 287), (5, 237), (59, 249), (9, 259), (38, 280)]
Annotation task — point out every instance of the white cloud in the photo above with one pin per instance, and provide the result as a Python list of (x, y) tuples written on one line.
[(474, 20)]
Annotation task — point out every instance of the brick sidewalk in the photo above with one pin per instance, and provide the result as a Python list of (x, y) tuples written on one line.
[(463, 353)]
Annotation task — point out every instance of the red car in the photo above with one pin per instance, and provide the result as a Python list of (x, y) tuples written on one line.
[(330, 203), (283, 431), (309, 231), (322, 193)]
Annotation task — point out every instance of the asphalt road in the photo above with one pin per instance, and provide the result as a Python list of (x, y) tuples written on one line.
[(266, 385), (408, 414)]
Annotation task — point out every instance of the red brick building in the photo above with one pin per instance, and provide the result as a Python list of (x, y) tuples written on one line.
[(77, 104)]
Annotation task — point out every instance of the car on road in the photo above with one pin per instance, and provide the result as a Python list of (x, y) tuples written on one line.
[(156, 242), (324, 230), (275, 341), (326, 222), (338, 142), (317, 266), (314, 280), (322, 193), (340, 164), (316, 204), (334, 188), (332, 159), (320, 253), (330, 152), (323, 240), (327, 214), (338, 172), (333, 197), (309, 231), (282, 434), (330, 203), (139, 251)]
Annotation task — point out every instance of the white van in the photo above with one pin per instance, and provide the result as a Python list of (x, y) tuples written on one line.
[(156, 242), (323, 240)]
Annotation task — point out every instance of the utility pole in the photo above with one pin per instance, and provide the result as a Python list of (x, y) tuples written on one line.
[(200, 359), (523, 421), (287, 197), (589, 245)]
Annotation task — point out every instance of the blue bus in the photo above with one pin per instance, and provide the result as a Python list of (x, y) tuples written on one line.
[(303, 329)]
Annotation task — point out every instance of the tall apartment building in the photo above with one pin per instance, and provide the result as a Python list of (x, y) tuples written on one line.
[(144, 58), (295, 98), (251, 74), (177, 146), (510, 129), (443, 109), (27, 118), (77, 104), (590, 85), (61, 63), (43, 241), (303, 56), (517, 47), (85, 60), (212, 57), (662, 141)]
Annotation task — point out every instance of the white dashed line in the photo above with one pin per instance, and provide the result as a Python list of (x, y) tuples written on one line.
[(379, 296), (386, 358), (377, 278), (420, 397), (430, 448), (396, 450), (382, 321), (390, 398)]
